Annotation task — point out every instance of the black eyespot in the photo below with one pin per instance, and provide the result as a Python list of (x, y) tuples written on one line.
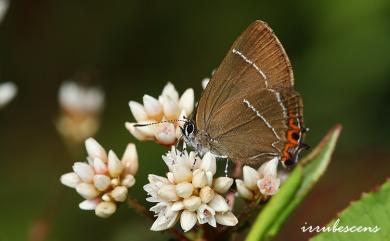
[(295, 136), (189, 128)]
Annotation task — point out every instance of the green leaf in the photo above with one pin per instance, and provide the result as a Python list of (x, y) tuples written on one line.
[(294, 190), (372, 210)]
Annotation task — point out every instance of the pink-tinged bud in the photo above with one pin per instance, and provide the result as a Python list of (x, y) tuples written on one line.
[(250, 176), (115, 182), (153, 108), (184, 189), (222, 184), (168, 193), (170, 91), (99, 166), (171, 178), (243, 191), (130, 159), (115, 167), (138, 111), (269, 168), (181, 173), (205, 214), (106, 197), (187, 100), (177, 206), (219, 204), (87, 191), (226, 218), (70, 179), (199, 179), (187, 220), (206, 194), (95, 150), (128, 181), (165, 134), (84, 171), (170, 107), (89, 204), (119, 193), (105, 209), (192, 203), (209, 163), (269, 185), (101, 182)]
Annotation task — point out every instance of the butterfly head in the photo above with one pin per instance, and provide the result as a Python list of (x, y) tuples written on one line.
[(196, 139), (189, 130)]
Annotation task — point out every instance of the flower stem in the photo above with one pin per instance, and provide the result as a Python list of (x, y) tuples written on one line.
[(134, 203)]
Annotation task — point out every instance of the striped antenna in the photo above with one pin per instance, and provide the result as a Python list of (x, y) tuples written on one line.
[(160, 122)]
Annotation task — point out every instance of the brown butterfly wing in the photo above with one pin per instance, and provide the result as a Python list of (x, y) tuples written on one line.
[(255, 61), (251, 128)]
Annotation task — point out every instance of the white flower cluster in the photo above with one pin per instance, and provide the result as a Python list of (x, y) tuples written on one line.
[(261, 182), (189, 193), (80, 107), (104, 180), (168, 107)]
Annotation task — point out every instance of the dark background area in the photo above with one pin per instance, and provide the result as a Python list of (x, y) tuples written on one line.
[(339, 50)]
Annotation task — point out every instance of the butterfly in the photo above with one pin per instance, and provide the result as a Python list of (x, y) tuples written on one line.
[(250, 112)]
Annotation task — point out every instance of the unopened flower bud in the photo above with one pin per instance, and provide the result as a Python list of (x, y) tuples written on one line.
[(192, 203), (168, 193), (105, 209), (206, 194), (222, 184), (184, 189), (119, 194)]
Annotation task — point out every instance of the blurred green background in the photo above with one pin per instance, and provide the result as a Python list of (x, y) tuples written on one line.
[(340, 52)]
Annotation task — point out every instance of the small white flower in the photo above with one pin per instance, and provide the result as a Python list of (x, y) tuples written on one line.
[(261, 182), (167, 107), (105, 179), (189, 192), (166, 217), (80, 109), (206, 214), (8, 90)]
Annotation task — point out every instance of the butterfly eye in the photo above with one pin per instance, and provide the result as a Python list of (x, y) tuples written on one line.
[(189, 128)]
